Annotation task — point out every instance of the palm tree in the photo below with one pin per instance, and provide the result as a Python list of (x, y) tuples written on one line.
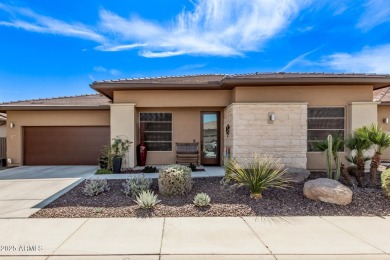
[(337, 144), (381, 141), (360, 143)]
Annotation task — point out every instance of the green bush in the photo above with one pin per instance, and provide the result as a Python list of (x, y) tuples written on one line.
[(103, 171), (202, 200), (174, 180), (385, 178), (133, 187), (258, 174), (95, 187), (146, 200)]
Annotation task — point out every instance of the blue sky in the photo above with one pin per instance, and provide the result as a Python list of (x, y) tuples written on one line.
[(57, 48)]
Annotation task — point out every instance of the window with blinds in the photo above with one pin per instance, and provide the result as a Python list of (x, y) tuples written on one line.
[(324, 121), (156, 131)]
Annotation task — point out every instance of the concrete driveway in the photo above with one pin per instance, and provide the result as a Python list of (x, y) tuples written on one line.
[(24, 190)]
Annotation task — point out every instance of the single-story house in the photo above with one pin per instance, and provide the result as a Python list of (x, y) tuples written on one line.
[(282, 114)]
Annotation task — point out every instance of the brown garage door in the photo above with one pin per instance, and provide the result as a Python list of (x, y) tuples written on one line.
[(68, 145)]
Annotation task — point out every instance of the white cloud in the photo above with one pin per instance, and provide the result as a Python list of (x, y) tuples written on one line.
[(370, 59), (298, 60), (31, 21), (214, 27), (115, 72), (376, 13), (99, 69), (119, 47)]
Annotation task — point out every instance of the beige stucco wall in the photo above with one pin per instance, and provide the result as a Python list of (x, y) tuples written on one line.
[(48, 118), (339, 95), (186, 127), (315, 96), (123, 125), (174, 98), (384, 112), (330, 95), (252, 133)]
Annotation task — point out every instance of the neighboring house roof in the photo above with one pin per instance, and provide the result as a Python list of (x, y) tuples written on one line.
[(229, 81), (94, 101), (382, 95)]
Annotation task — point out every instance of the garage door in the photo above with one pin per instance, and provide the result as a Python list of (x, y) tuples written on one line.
[(70, 145)]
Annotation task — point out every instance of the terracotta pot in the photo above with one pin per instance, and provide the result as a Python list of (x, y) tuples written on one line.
[(142, 153)]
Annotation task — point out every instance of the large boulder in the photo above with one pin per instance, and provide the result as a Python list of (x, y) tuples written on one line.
[(297, 175), (328, 190)]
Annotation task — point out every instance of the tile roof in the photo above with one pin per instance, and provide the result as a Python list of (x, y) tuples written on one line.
[(82, 100), (187, 79), (382, 95), (204, 78)]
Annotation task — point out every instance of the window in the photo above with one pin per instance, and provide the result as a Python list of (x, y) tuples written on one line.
[(156, 131), (324, 121)]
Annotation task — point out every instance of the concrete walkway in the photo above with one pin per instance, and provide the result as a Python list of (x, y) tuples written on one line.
[(24, 190), (198, 238), (209, 171)]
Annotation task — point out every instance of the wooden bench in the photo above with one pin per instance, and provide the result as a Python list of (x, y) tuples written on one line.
[(187, 153)]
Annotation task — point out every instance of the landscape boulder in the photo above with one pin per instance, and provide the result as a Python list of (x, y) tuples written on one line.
[(328, 190), (297, 175)]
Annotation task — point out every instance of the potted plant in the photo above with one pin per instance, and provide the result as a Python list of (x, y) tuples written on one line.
[(119, 148)]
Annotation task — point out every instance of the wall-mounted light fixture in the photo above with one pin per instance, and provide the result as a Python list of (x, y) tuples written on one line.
[(271, 117), (386, 120), (11, 125)]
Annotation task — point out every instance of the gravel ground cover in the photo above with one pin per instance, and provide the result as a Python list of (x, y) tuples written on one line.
[(275, 202)]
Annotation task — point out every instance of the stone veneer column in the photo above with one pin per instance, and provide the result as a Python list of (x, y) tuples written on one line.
[(123, 124), (250, 131)]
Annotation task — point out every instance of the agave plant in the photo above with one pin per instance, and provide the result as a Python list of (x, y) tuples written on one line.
[(359, 143), (336, 145), (202, 200), (257, 173), (381, 141), (147, 199)]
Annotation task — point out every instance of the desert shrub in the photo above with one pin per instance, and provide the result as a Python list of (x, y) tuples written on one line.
[(257, 173), (146, 199), (175, 180), (149, 169), (202, 200), (95, 187), (133, 187), (385, 179), (103, 171)]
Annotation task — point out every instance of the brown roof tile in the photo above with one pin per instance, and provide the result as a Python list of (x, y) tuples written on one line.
[(382, 95), (94, 101)]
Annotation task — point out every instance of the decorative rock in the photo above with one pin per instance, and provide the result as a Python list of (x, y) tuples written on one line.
[(297, 175), (328, 190)]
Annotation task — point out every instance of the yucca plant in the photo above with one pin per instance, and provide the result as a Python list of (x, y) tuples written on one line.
[(336, 145), (381, 141), (359, 143), (257, 173), (147, 199)]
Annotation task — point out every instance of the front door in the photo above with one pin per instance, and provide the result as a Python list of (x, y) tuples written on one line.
[(210, 142)]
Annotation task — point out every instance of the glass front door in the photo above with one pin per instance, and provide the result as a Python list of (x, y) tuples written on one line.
[(210, 138)]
